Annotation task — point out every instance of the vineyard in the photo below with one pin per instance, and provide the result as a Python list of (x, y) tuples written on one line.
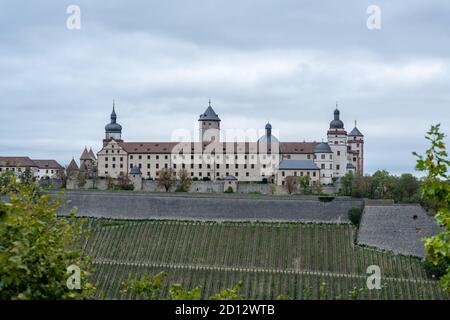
[(299, 261)]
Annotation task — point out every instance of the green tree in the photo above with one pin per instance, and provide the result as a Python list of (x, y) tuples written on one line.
[(436, 186), (347, 183), (151, 288), (26, 177), (37, 247), (305, 184), (229, 294), (145, 288), (81, 180), (382, 185), (8, 182), (361, 186), (408, 186)]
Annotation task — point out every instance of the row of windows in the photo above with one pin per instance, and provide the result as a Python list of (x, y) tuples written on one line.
[(20, 170), (200, 174), (12, 169), (183, 166), (302, 173), (166, 157)]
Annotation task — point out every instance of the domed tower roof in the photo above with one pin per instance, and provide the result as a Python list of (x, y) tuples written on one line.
[(113, 126), (209, 114), (336, 123), (268, 137), (322, 147)]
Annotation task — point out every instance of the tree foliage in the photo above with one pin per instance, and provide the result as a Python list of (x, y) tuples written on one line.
[(26, 177), (354, 215), (185, 181), (305, 184), (382, 185), (37, 247), (166, 179), (151, 288), (229, 294), (436, 186)]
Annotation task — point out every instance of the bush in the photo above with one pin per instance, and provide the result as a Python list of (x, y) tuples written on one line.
[(326, 198), (229, 190), (436, 271), (354, 214)]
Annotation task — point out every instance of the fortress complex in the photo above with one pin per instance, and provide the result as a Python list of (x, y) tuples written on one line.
[(211, 159)]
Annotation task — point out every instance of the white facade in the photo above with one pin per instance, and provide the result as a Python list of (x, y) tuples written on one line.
[(211, 159)]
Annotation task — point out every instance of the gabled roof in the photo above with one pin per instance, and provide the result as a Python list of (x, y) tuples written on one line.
[(17, 162), (85, 155), (298, 165), (48, 164), (72, 166), (356, 132), (209, 115), (92, 154)]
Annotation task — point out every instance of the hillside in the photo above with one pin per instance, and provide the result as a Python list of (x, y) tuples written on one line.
[(300, 261)]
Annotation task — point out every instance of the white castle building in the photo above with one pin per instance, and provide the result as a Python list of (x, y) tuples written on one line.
[(211, 159)]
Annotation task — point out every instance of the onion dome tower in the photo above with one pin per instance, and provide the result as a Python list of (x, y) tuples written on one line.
[(113, 130)]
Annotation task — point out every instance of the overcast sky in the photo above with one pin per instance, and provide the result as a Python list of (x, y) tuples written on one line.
[(286, 62)]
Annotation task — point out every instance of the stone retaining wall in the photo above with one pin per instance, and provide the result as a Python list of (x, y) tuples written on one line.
[(132, 205)]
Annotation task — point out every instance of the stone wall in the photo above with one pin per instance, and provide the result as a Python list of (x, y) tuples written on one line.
[(196, 187), (134, 205)]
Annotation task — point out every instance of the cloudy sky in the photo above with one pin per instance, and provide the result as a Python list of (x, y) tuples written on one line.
[(284, 61)]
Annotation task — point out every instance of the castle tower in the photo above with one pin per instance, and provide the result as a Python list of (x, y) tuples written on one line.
[(113, 130), (209, 125), (337, 139), (135, 177), (323, 157), (356, 149), (87, 160)]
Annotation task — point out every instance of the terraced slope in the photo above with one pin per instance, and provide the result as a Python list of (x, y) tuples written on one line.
[(292, 259)]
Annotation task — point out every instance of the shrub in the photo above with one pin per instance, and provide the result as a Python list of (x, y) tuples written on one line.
[(436, 271), (326, 198), (37, 246), (354, 214), (229, 190)]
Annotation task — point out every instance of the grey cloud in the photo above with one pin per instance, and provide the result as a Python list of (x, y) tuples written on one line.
[(286, 62)]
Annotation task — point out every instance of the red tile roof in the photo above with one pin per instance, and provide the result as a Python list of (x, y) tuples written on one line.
[(85, 155), (17, 162), (237, 147), (297, 147), (50, 164), (72, 166)]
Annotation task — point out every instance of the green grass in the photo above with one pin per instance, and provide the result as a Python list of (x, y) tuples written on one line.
[(292, 259)]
